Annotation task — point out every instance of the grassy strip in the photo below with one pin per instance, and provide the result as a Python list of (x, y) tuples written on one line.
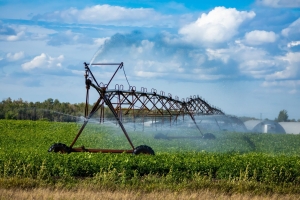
[(63, 194), (151, 183)]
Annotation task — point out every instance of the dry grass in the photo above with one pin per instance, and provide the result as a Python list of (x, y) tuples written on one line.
[(43, 194)]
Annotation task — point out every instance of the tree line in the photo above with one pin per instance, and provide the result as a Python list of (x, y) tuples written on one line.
[(54, 110), (50, 110)]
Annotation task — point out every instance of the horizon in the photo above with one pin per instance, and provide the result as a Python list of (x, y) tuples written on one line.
[(91, 103)]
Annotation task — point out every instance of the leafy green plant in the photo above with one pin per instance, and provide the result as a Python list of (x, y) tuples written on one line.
[(233, 157)]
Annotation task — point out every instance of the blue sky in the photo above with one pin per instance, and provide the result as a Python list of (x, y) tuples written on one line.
[(240, 56)]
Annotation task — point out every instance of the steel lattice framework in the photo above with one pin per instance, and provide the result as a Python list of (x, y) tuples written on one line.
[(154, 104), (133, 103)]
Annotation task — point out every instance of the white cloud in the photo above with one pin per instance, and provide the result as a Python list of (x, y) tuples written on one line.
[(258, 37), (258, 63), (107, 14), (144, 47), (290, 63), (293, 43), (43, 61), (257, 68), (219, 25), (15, 56), (16, 37), (111, 13), (16, 32), (146, 69), (292, 29), (250, 61), (218, 54), (279, 3), (100, 41), (151, 68)]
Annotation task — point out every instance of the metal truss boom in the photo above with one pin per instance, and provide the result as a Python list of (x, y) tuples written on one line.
[(135, 103)]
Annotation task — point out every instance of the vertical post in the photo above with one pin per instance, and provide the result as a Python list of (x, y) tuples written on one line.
[(87, 86)]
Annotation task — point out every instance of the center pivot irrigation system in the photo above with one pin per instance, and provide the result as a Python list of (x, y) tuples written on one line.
[(135, 104)]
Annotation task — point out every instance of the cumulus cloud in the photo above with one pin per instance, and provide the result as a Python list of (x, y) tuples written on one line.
[(249, 61), (260, 64), (155, 58), (43, 61), (146, 60), (15, 56), (280, 3), (258, 37), (218, 26), (257, 63), (110, 15)]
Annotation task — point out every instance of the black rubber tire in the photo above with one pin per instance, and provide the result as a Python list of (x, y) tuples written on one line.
[(143, 149), (59, 148), (209, 136)]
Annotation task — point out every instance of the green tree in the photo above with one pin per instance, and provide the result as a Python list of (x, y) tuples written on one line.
[(282, 116), (10, 115)]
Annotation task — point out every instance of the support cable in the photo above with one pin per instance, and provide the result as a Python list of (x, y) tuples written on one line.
[(126, 76)]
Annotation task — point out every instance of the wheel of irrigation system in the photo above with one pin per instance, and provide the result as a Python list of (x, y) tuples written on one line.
[(143, 149), (59, 148), (209, 136)]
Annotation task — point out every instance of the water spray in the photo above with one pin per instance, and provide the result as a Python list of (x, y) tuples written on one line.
[(134, 104)]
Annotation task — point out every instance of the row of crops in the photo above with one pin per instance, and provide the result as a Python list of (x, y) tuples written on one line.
[(252, 166), (262, 158)]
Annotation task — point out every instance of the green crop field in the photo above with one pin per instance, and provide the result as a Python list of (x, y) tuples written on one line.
[(233, 162)]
